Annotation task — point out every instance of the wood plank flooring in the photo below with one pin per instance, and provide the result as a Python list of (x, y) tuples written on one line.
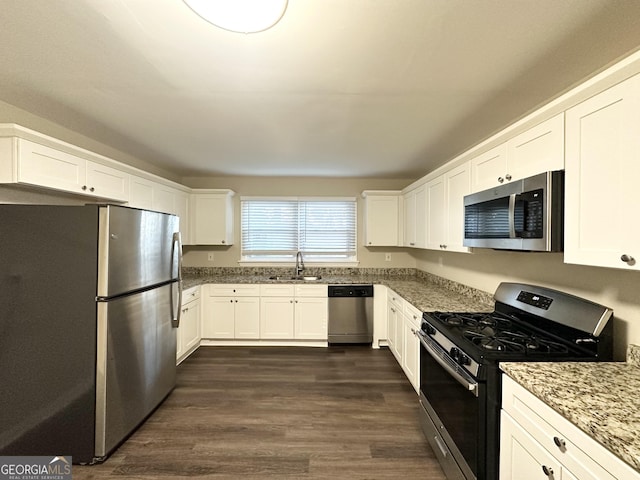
[(280, 413)]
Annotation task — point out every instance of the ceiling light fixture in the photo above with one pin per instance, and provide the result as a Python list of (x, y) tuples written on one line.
[(242, 16)]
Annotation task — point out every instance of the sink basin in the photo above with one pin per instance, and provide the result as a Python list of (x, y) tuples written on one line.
[(306, 278)]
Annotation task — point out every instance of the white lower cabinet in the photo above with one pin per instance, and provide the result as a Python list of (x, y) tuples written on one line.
[(411, 319), (188, 333), (536, 442), (231, 311), (279, 312), (403, 320), (394, 324), (293, 312)]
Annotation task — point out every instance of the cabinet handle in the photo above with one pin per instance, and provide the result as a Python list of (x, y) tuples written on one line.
[(500, 180), (393, 310), (411, 243), (547, 471), (508, 177), (560, 443), (628, 259)]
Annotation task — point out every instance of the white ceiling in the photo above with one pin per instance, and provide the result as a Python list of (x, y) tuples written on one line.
[(359, 88)]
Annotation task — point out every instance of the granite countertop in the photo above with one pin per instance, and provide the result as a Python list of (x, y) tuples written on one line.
[(424, 291), (601, 398)]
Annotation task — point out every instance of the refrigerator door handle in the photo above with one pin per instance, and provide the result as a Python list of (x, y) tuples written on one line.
[(176, 312)]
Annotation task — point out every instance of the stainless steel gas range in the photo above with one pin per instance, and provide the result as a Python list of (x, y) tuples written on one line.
[(460, 381)]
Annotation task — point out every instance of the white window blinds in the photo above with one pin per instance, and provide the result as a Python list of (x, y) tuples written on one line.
[(276, 229)]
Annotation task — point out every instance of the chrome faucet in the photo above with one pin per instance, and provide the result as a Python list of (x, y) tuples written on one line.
[(299, 264)]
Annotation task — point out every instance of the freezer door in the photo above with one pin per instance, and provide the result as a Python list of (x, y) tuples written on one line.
[(136, 249), (136, 362)]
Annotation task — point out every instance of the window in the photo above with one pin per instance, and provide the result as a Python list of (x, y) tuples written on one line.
[(275, 229)]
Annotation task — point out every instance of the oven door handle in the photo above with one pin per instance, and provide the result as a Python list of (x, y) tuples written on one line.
[(439, 356)]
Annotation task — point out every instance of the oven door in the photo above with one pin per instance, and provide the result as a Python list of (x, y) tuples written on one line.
[(452, 402)]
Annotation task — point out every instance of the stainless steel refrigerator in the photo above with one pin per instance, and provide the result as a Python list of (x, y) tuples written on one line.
[(89, 306)]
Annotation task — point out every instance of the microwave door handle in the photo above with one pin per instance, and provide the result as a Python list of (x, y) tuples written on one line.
[(512, 215)]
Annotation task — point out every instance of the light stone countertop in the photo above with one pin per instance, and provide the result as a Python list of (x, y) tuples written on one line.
[(424, 291), (601, 398)]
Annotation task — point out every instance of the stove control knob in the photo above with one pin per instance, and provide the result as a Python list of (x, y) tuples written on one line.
[(459, 357), (428, 329)]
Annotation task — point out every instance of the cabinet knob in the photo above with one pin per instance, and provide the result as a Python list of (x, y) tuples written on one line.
[(500, 180), (223, 241), (231, 300), (547, 471), (560, 443), (369, 243), (508, 177), (628, 259), (84, 187), (92, 189)]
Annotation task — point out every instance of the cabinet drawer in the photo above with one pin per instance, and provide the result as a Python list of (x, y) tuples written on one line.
[(190, 295), (412, 314), (556, 434), (311, 290), (234, 290), (277, 290)]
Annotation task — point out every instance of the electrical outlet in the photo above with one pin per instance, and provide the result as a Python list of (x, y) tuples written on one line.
[(387, 257), (210, 257)]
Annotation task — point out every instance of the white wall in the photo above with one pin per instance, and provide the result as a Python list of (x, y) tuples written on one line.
[(196, 256), (485, 269)]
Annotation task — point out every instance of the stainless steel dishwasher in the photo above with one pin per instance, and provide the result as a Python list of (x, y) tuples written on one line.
[(350, 313)]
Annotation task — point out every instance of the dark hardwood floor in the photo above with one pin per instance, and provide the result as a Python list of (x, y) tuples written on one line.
[(280, 413)]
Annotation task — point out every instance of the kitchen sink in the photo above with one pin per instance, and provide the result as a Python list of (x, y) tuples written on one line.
[(306, 278)]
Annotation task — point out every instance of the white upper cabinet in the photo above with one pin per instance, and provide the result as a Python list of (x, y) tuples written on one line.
[(445, 209), (156, 196), (457, 185), (381, 218), (415, 217), (141, 193), (539, 149), (31, 163), (212, 217), (601, 181), (436, 213)]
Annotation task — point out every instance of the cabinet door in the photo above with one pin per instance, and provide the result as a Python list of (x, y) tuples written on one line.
[(436, 213), (601, 187), (107, 182), (410, 219), (212, 219), (247, 317), (392, 319), (522, 458), (381, 220), (218, 317), (311, 318), (539, 149), (457, 185), (489, 169), (411, 352), (190, 326), (181, 209), (276, 318), (47, 167), (163, 199), (141, 193)]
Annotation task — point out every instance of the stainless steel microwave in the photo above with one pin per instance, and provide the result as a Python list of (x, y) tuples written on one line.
[(525, 214)]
